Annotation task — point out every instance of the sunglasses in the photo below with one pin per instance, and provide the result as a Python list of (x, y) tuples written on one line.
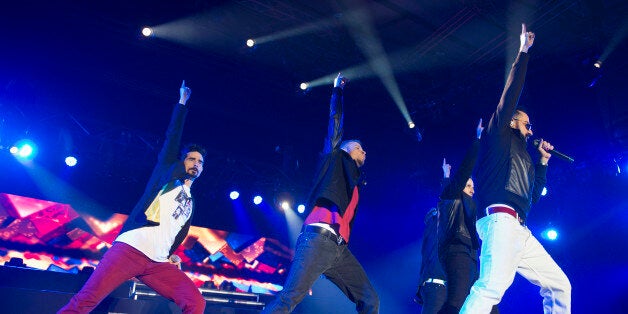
[(527, 124)]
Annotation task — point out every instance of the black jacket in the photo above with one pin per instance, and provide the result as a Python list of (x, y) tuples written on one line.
[(457, 210), (338, 174), (505, 173), (167, 171)]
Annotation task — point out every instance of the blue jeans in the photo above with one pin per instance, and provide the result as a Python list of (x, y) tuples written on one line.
[(317, 254)]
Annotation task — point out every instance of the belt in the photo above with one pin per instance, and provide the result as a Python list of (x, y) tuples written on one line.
[(324, 232), (506, 210), (436, 281)]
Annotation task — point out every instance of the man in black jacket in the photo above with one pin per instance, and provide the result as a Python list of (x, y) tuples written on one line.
[(432, 292), (508, 184), (322, 245), (458, 241), (155, 228)]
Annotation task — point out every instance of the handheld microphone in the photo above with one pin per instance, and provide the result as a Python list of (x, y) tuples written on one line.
[(554, 152)]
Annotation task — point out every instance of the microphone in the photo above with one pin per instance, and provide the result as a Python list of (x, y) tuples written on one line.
[(175, 258), (554, 152)]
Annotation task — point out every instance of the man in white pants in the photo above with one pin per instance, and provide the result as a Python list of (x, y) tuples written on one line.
[(508, 183)]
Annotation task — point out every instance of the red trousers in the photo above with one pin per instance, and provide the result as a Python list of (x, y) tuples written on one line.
[(123, 262)]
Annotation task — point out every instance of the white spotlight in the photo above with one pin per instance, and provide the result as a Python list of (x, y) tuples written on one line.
[(257, 200), (598, 64), (71, 161), (250, 43), (544, 191), (301, 208), (304, 86), (411, 125), (285, 205), (147, 31), (234, 195)]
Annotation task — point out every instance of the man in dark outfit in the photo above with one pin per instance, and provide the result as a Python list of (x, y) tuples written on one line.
[(432, 292), (508, 183), (322, 245), (155, 228), (458, 241)]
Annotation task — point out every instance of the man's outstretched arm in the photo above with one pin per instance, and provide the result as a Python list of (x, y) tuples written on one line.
[(335, 127)]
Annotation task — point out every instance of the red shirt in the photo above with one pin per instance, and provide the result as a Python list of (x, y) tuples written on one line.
[(341, 224)]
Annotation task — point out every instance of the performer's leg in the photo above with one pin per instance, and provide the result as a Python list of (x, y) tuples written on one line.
[(458, 266), (350, 277), (502, 247), (313, 255), (539, 268), (119, 264), (173, 284), (434, 296)]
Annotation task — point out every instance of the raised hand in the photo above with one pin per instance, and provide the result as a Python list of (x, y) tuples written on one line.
[(446, 169), (184, 93), (340, 81), (526, 38), (479, 129)]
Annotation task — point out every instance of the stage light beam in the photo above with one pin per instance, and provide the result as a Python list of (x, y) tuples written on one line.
[(234, 195), (301, 208), (257, 200), (304, 86), (250, 43)]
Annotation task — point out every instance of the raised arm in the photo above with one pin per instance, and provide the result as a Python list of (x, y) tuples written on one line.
[(335, 127), (454, 185), (170, 149), (514, 84)]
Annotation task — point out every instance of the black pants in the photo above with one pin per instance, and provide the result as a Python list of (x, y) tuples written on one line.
[(461, 269), (317, 254), (433, 297)]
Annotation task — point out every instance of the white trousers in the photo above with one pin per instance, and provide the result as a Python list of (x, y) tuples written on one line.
[(509, 248)]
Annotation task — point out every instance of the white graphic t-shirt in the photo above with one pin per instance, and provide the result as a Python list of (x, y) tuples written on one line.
[(175, 208)]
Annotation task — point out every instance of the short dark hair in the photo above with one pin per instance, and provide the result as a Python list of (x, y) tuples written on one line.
[(193, 148)]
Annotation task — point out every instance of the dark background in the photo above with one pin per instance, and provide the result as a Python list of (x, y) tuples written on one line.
[(78, 76)]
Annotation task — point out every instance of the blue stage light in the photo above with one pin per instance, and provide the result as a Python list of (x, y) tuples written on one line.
[(71, 161), (550, 234), (257, 200), (234, 195), (24, 150)]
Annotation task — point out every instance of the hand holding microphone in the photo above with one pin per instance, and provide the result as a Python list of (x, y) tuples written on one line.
[(175, 260), (548, 148)]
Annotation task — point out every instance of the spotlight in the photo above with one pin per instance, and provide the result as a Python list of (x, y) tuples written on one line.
[(24, 150), (234, 195), (71, 161), (304, 86), (147, 31), (301, 208), (285, 205), (598, 64), (250, 43), (257, 200), (550, 234), (411, 125), (544, 191)]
